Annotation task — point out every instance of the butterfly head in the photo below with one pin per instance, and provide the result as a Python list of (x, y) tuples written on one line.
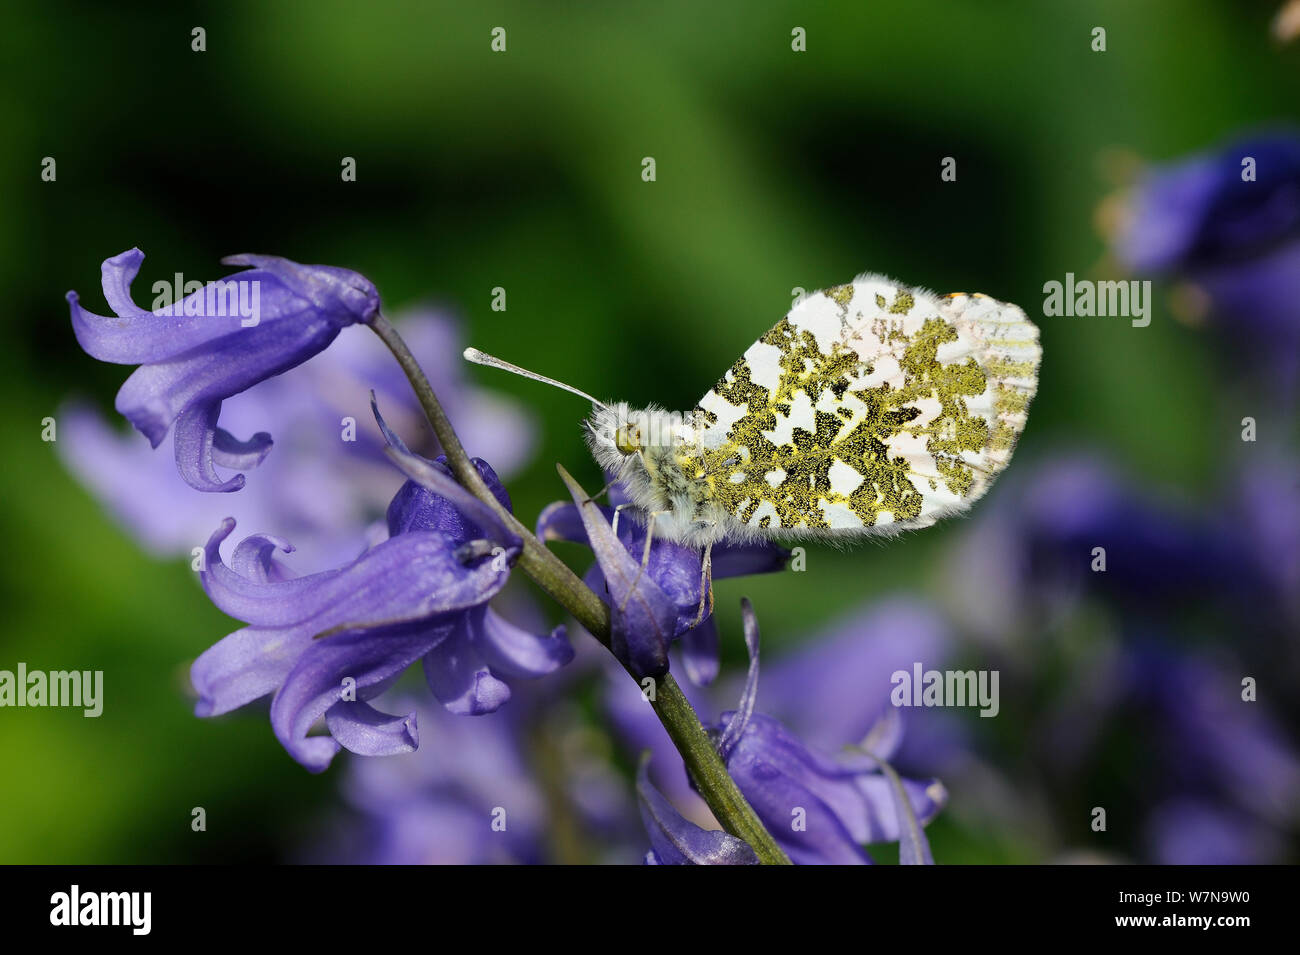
[(617, 436), (639, 447)]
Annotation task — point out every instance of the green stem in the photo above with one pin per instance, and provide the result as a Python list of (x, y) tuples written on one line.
[(567, 589)]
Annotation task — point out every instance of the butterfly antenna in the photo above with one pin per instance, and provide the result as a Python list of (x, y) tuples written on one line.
[(482, 358)]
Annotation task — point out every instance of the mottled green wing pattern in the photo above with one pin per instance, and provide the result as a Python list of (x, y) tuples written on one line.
[(870, 407)]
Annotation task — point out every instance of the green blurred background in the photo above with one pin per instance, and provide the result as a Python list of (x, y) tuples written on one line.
[(775, 169)]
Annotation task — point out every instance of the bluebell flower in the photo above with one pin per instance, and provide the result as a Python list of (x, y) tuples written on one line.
[(833, 688), (328, 483), (668, 590), (820, 809), (196, 353), (675, 840), (326, 643)]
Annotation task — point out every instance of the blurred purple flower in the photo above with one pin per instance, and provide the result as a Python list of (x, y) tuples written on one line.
[(1192, 832), (668, 591), (467, 798), (1266, 500), (1213, 741), (835, 686), (1234, 237), (1201, 212), (1031, 555), (196, 353), (327, 643), (1217, 774), (328, 482), (473, 793)]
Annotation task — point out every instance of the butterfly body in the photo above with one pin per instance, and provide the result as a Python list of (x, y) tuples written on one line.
[(871, 408)]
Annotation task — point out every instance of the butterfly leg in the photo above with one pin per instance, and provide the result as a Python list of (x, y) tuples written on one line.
[(613, 526), (706, 584), (645, 556), (601, 493)]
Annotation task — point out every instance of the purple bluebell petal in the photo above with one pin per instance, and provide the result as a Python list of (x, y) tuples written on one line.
[(418, 508), (245, 666), (252, 663), (411, 578), (785, 785), (742, 560), (515, 653), (254, 558), (675, 569), (885, 735), (821, 810), (460, 678), (136, 336), (321, 492), (675, 840), (643, 619), (155, 394), (230, 452), (883, 800), (700, 652), (437, 478), (561, 521), (330, 289), (258, 599), (316, 682), (195, 434), (360, 728)]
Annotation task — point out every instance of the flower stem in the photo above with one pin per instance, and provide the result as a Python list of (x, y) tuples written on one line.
[(567, 589)]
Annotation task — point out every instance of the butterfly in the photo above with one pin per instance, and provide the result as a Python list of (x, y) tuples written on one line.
[(870, 408)]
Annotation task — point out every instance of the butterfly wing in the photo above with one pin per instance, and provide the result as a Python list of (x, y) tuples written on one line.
[(871, 407)]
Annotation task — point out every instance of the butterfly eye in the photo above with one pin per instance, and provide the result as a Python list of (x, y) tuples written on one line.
[(628, 440)]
